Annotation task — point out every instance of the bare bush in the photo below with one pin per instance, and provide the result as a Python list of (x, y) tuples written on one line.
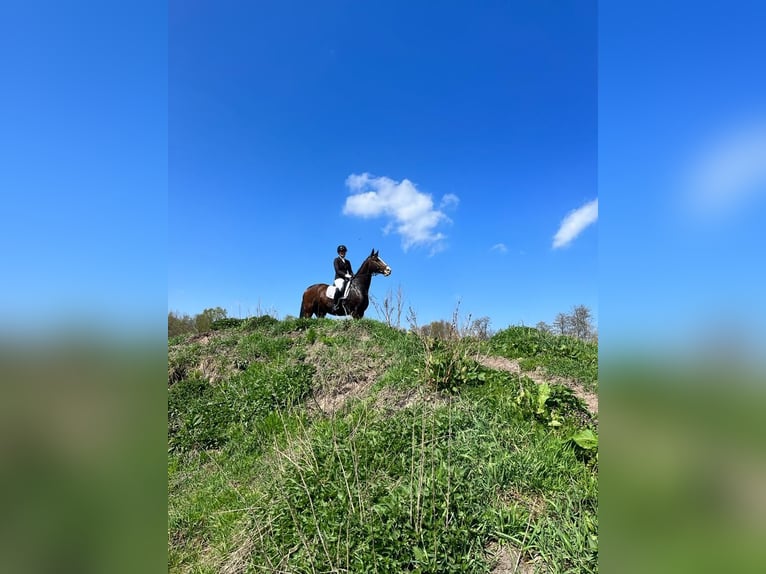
[(390, 310), (456, 328), (578, 324)]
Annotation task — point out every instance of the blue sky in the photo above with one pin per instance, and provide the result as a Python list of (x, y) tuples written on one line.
[(460, 141), (682, 169), (207, 164), (83, 164)]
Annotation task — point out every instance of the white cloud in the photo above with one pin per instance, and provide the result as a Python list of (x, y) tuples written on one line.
[(411, 213), (449, 201), (500, 247), (575, 222)]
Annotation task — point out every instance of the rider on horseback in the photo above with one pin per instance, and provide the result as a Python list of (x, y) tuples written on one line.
[(343, 273)]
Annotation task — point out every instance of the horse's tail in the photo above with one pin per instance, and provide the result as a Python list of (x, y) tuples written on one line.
[(308, 302), (304, 312), (303, 305)]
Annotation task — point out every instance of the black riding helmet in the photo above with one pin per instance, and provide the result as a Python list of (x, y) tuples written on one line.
[(342, 249)]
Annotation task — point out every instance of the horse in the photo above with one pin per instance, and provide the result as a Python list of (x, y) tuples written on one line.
[(316, 302)]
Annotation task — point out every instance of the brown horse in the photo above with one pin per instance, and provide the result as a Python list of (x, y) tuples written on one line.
[(316, 302)]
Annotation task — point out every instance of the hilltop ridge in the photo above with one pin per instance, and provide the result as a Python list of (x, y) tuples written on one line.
[(317, 445)]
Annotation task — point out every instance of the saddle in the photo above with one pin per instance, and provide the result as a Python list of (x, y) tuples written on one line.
[(331, 289)]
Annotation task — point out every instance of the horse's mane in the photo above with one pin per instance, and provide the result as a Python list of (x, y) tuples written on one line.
[(364, 268)]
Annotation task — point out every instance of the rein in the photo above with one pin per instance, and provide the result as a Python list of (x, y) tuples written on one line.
[(361, 273)]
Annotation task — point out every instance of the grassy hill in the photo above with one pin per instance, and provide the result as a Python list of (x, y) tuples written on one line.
[(318, 445)]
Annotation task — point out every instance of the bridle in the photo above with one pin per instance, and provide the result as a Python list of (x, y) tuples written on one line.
[(381, 268), (386, 269)]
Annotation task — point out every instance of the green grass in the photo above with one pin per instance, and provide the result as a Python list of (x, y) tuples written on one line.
[(559, 355), (260, 481)]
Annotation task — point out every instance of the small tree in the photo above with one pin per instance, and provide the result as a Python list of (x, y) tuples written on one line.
[(544, 327), (561, 324), (439, 330), (581, 323), (207, 317), (479, 328), (179, 324)]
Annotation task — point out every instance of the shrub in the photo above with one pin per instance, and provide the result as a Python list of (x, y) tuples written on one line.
[(260, 322), (202, 415), (226, 323)]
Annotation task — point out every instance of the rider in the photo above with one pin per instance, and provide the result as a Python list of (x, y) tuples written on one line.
[(343, 273)]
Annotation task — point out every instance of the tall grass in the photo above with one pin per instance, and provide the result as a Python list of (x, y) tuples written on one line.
[(259, 481)]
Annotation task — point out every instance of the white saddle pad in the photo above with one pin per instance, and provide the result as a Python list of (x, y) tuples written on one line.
[(331, 289)]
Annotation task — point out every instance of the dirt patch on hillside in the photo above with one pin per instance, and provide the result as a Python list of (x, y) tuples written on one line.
[(211, 355), (332, 396), (391, 399), (343, 374), (540, 376), (201, 338), (508, 560)]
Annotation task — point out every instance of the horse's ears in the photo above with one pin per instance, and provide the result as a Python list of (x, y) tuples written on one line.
[(372, 253)]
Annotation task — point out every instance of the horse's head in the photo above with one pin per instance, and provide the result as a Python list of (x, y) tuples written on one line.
[(377, 265)]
